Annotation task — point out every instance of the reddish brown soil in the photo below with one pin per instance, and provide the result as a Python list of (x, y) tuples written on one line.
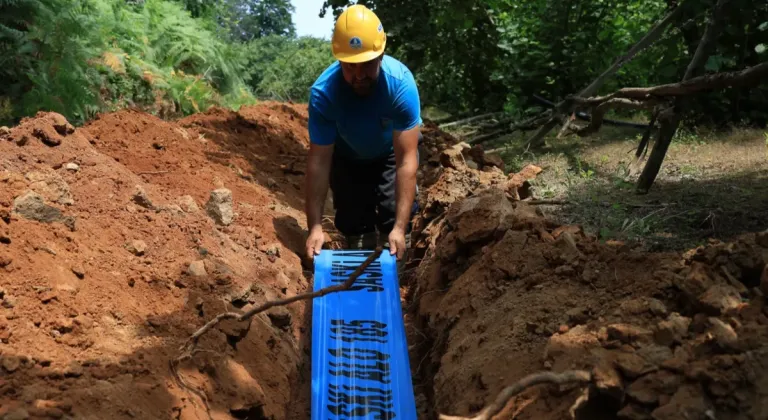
[(99, 346), (97, 292), (501, 293)]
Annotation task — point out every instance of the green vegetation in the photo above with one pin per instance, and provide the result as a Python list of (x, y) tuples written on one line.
[(80, 57), (488, 55)]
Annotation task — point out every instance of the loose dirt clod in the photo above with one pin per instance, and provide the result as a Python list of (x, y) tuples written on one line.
[(136, 247)]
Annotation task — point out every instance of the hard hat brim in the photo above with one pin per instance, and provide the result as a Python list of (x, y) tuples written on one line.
[(358, 57)]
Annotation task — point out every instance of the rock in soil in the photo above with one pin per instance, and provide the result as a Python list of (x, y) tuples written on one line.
[(188, 204), (141, 198), (31, 206), (136, 247), (197, 269), (219, 206)]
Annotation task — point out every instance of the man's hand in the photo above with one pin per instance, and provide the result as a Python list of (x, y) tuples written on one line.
[(315, 241), (397, 243)]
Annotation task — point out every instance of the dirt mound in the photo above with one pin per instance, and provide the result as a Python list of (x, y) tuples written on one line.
[(501, 292), (120, 239)]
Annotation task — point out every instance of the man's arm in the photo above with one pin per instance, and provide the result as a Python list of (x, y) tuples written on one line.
[(407, 163), (322, 135), (316, 182)]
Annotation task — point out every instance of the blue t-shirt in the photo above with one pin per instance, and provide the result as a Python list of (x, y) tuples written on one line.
[(361, 127)]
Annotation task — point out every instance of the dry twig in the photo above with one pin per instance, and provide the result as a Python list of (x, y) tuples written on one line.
[(153, 173), (567, 377), (191, 343)]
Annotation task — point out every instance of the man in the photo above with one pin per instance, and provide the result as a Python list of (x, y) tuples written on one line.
[(364, 129)]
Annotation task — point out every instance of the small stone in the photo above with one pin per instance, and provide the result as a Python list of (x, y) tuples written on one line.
[(79, 271), (719, 299), (655, 354), (48, 296), (188, 204), (11, 363), (72, 167), (632, 365), (673, 330), (141, 198), (280, 317), (5, 132), (219, 206), (271, 183), (608, 381), (657, 307), (689, 402), (136, 247), (197, 269), (563, 329), (453, 158), (628, 334), (647, 389), (31, 206), (723, 334)]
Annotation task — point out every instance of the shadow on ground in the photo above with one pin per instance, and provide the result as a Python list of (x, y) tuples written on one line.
[(674, 215)]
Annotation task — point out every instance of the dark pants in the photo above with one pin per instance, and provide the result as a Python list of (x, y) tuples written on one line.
[(364, 195)]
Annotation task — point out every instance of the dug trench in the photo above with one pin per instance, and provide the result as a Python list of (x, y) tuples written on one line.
[(120, 239)]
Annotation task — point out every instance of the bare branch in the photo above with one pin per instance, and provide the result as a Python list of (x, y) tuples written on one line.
[(567, 377), (599, 112), (748, 77), (566, 108), (469, 120), (189, 346)]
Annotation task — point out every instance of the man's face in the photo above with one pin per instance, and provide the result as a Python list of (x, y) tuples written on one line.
[(362, 76)]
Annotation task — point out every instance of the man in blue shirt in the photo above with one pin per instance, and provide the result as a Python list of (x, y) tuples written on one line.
[(364, 129)]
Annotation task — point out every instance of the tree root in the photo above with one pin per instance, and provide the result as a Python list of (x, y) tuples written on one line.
[(189, 349), (567, 377)]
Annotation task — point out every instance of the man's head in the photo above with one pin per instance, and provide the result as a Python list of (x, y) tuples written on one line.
[(358, 43)]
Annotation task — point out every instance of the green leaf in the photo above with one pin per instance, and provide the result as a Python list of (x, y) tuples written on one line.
[(761, 48)]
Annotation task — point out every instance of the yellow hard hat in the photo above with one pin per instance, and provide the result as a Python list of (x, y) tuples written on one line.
[(358, 35)]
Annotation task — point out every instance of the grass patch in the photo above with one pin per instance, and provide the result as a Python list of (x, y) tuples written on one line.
[(710, 185)]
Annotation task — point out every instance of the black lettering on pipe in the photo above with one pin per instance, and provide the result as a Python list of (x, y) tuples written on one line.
[(358, 354)]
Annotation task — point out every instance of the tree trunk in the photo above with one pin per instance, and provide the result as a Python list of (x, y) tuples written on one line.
[(670, 124)]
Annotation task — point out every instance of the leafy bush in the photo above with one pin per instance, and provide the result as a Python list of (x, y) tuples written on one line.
[(285, 68), (79, 57)]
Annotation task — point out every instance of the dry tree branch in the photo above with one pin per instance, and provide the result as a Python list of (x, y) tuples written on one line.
[(599, 111), (191, 343), (646, 41), (567, 377), (748, 77)]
